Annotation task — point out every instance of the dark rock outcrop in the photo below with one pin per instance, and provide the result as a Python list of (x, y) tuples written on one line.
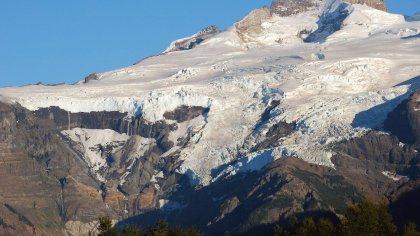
[(91, 77), (193, 41), (121, 122), (117, 121), (184, 113), (405, 206), (377, 147), (404, 121), (274, 134), (377, 4), (290, 7)]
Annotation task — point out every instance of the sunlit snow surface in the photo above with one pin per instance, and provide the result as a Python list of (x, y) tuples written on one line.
[(333, 90), (90, 142)]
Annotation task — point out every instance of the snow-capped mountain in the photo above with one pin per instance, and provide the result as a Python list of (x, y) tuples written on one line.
[(297, 79), (239, 72)]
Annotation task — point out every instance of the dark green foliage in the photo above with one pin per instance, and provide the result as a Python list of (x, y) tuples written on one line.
[(343, 191), (368, 218), (410, 230), (293, 220), (277, 230), (310, 227), (105, 227), (326, 227), (132, 230), (161, 228), (365, 218)]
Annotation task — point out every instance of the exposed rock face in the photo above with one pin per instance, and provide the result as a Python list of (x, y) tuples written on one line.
[(131, 164), (378, 4), (267, 134), (244, 203), (253, 202), (47, 157), (377, 147), (77, 228), (44, 171), (116, 121), (278, 24), (291, 7), (44, 182), (291, 22), (194, 40), (414, 116), (375, 166), (145, 185), (252, 22), (91, 77), (377, 154), (274, 134), (381, 156), (185, 113), (404, 121), (405, 204)]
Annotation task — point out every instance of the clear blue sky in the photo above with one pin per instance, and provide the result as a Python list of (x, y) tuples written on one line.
[(63, 41)]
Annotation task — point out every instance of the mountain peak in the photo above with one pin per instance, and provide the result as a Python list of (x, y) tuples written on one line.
[(377, 4), (290, 22), (291, 7)]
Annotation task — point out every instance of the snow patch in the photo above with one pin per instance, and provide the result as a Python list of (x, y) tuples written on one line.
[(392, 175), (155, 176), (168, 205), (92, 144)]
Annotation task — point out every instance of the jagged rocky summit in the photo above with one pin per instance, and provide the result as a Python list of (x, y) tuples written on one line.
[(290, 7), (193, 41)]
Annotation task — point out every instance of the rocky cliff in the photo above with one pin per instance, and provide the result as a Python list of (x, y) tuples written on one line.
[(49, 187), (45, 183), (194, 40), (377, 4), (290, 7)]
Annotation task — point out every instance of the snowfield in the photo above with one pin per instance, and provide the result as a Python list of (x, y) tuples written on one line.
[(92, 142), (332, 89)]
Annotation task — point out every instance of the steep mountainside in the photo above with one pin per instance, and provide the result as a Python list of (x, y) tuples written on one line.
[(300, 108)]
